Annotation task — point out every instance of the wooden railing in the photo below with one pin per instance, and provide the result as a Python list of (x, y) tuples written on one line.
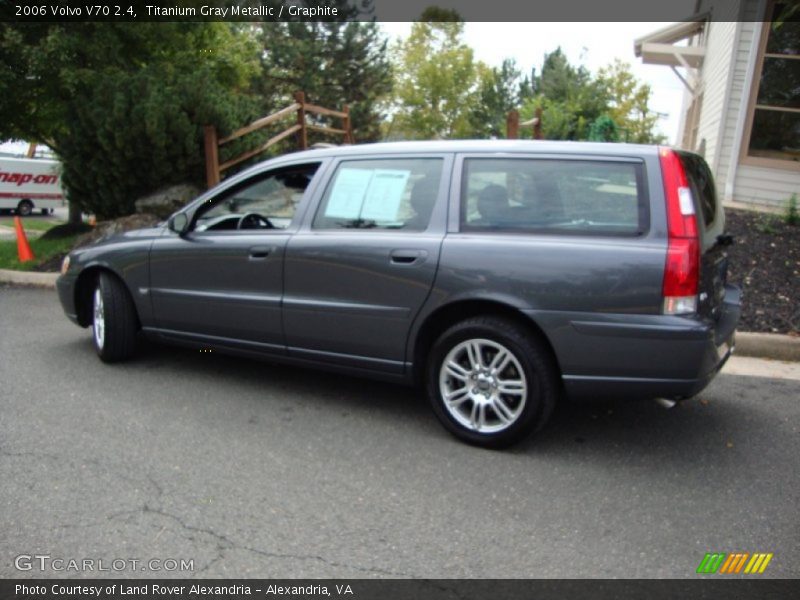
[(513, 124), (301, 128)]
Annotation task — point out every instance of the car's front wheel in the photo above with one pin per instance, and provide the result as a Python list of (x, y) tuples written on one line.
[(113, 320), (491, 382)]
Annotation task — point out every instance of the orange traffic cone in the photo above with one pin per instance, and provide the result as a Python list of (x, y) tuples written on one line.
[(23, 247)]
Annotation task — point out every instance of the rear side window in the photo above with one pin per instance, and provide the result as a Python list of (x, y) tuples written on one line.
[(702, 183), (553, 196), (381, 194)]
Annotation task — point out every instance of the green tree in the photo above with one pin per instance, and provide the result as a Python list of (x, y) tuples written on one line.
[(334, 63), (628, 103), (123, 104), (436, 83), (576, 105), (603, 129), (571, 99), (498, 93)]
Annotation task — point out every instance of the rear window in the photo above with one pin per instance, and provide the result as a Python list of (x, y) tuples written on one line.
[(701, 181), (553, 196)]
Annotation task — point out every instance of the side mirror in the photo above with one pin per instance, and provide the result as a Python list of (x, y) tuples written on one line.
[(178, 223)]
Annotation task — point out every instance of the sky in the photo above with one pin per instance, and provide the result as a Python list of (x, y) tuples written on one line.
[(593, 45)]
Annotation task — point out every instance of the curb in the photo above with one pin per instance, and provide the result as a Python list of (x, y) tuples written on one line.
[(47, 280), (772, 346)]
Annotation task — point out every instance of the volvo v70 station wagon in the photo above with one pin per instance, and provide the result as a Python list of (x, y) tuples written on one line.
[(498, 276)]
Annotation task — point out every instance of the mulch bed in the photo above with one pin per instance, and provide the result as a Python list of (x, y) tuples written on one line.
[(765, 261)]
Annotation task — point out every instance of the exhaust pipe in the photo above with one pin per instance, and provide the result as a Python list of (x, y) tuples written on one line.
[(665, 402)]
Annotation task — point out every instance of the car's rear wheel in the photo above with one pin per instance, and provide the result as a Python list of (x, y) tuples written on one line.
[(113, 320), (491, 382)]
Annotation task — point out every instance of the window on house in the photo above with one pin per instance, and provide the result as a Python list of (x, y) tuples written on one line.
[(775, 127)]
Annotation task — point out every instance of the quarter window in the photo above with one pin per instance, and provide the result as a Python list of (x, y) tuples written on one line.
[(381, 194), (702, 184), (558, 196)]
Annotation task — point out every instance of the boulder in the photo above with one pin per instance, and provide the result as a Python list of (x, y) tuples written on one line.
[(107, 228), (166, 201)]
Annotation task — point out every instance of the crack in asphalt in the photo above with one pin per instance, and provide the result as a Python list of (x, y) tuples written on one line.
[(226, 543), (223, 542)]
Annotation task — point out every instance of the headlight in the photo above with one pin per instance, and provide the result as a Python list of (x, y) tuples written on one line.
[(65, 264)]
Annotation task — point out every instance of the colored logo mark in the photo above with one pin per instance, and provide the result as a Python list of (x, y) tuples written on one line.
[(724, 563)]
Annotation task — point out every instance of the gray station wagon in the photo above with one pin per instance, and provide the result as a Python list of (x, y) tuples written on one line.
[(497, 275)]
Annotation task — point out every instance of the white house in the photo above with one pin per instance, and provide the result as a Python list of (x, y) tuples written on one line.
[(740, 63)]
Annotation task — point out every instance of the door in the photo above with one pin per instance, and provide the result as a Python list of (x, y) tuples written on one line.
[(363, 264), (222, 280)]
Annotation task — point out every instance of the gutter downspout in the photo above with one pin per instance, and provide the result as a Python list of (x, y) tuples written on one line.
[(738, 133)]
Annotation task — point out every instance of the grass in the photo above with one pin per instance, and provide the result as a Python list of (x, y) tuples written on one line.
[(29, 224), (43, 249)]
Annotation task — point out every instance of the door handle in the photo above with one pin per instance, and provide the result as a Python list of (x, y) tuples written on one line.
[(261, 251), (407, 257)]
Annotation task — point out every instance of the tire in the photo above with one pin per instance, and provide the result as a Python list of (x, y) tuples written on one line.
[(507, 393), (114, 321), (45, 211), (24, 208)]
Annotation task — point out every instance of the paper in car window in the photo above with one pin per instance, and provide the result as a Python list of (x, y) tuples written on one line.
[(373, 194), (349, 191), (385, 192)]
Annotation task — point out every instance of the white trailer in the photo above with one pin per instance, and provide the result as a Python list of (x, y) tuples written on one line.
[(28, 184)]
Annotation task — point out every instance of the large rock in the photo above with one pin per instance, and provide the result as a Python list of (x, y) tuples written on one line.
[(166, 201), (107, 228)]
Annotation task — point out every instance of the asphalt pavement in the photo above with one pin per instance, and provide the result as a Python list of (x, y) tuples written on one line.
[(254, 470)]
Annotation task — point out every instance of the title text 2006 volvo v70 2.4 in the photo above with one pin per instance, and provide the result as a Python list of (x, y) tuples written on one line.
[(497, 275)]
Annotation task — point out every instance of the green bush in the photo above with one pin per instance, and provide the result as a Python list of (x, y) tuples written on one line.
[(124, 104), (792, 215), (603, 129), (141, 121)]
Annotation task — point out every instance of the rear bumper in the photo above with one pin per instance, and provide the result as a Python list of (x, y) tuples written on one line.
[(641, 355)]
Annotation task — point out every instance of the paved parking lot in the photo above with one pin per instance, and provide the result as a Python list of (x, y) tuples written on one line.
[(250, 469)]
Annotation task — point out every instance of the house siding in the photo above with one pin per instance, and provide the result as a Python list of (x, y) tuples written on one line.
[(760, 186), (731, 44), (736, 96), (714, 77)]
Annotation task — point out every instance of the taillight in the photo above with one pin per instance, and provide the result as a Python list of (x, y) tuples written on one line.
[(682, 269)]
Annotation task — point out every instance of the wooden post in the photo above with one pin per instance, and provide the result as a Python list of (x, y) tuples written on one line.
[(212, 155), (537, 127), (347, 126), (31, 150), (512, 125), (302, 135)]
